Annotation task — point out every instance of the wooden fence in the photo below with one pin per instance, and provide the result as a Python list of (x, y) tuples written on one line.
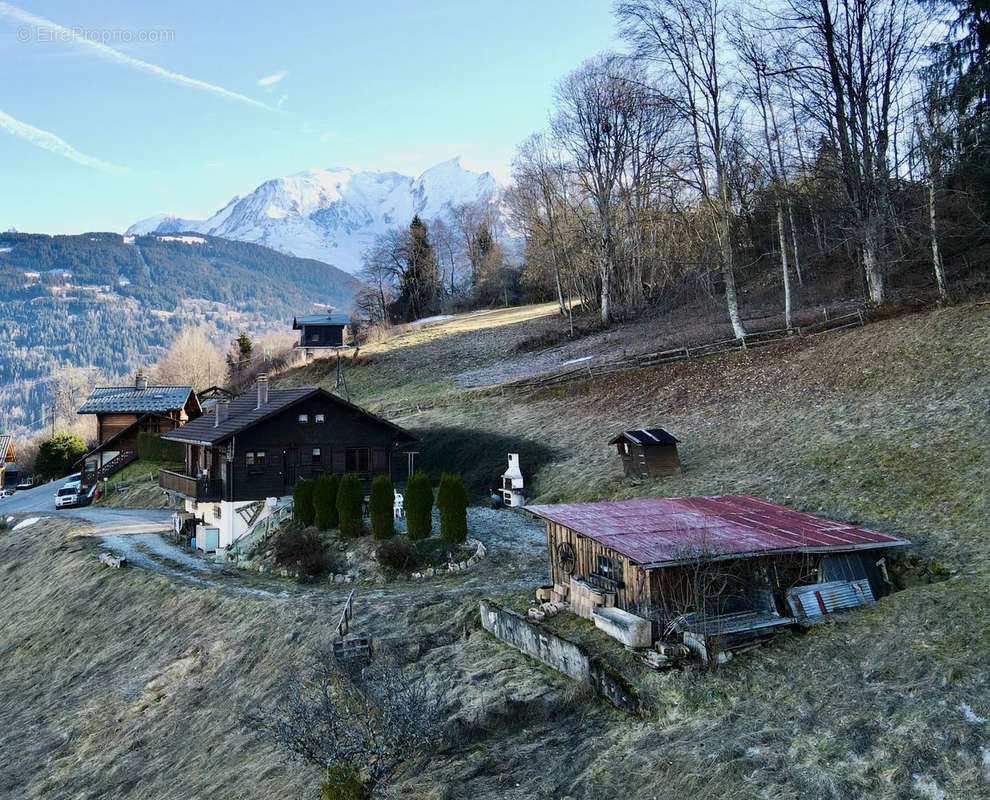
[(590, 370)]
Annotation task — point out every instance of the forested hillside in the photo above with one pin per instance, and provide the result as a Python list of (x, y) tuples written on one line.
[(114, 302)]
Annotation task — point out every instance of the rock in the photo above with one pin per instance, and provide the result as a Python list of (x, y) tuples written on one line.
[(535, 613), (417, 575), (339, 578)]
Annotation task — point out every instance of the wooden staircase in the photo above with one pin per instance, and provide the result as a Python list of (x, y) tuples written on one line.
[(114, 465)]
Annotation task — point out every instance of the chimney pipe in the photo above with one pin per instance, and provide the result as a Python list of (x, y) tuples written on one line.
[(262, 390), (140, 381)]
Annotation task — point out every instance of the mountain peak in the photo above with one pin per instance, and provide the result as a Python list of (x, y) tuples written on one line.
[(333, 214)]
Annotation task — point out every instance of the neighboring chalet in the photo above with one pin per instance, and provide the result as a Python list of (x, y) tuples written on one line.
[(8, 468), (244, 455), (124, 413), (719, 570), (648, 452), (215, 394), (322, 330)]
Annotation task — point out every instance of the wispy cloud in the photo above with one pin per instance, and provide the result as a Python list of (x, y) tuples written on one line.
[(109, 53), (47, 140), (271, 80)]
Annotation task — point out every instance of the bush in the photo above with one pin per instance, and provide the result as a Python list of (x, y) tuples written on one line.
[(302, 501), (452, 500), (303, 551), (398, 554), (325, 502), (343, 783), (58, 455), (382, 507), (418, 504), (349, 501)]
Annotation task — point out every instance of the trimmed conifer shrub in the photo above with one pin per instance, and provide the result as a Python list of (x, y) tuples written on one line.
[(418, 504), (349, 501), (452, 500), (302, 501), (325, 502), (381, 507)]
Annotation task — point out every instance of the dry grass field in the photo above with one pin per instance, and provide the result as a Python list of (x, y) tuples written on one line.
[(130, 684)]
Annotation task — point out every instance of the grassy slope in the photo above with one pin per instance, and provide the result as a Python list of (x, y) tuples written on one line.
[(887, 425), (144, 679), (142, 490)]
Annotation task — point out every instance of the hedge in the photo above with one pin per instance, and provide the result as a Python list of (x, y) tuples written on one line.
[(418, 503), (350, 498), (452, 500), (302, 499), (325, 502)]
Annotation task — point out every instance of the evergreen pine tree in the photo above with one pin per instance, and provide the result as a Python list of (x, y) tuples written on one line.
[(452, 500), (381, 507), (349, 501), (418, 503), (325, 502)]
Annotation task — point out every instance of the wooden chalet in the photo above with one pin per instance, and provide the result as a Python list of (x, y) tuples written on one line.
[(322, 330), (215, 394), (8, 467), (246, 454), (124, 413), (648, 452), (731, 562), (258, 445)]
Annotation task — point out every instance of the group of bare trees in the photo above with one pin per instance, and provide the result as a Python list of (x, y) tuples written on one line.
[(412, 271), (784, 153)]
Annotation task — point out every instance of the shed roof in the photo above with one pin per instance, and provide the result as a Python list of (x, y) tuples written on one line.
[(129, 399), (646, 437), (320, 319), (6, 440), (658, 531), (242, 413)]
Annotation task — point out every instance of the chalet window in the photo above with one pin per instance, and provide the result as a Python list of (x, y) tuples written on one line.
[(255, 459), (358, 459), (316, 456), (608, 568), (303, 418), (319, 418)]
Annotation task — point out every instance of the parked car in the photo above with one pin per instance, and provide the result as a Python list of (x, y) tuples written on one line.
[(6, 493), (75, 477), (67, 496), (24, 486)]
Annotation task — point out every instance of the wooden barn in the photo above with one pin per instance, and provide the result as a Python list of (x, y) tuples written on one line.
[(648, 452), (321, 330), (731, 557)]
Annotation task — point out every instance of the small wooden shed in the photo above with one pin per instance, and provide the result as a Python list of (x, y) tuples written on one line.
[(321, 330), (648, 452)]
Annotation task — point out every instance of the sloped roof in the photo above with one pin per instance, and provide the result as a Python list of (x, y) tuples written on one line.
[(6, 440), (320, 319), (658, 531), (242, 412), (646, 436), (128, 399)]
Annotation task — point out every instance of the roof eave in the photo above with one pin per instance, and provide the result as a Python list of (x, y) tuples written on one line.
[(820, 550)]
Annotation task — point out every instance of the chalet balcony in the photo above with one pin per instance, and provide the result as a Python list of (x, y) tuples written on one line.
[(202, 490)]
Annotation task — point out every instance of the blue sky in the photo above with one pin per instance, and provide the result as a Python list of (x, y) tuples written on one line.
[(165, 108)]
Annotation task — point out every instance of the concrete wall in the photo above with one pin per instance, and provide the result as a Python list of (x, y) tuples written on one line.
[(559, 653)]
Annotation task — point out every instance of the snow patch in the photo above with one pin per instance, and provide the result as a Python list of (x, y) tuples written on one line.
[(26, 523), (427, 320), (183, 239), (971, 716), (576, 360), (5, 249)]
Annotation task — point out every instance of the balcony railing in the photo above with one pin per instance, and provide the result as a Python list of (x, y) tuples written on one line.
[(198, 489)]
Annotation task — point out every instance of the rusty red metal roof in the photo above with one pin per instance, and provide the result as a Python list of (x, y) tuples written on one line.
[(658, 531)]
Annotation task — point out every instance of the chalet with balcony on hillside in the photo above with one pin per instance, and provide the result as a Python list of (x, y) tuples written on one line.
[(8, 467), (719, 571), (124, 414), (322, 330), (245, 454)]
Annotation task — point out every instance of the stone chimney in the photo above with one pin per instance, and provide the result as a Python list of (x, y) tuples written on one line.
[(140, 382), (262, 390)]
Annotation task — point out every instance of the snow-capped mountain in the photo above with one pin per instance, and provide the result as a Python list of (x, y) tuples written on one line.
[(333, 215)]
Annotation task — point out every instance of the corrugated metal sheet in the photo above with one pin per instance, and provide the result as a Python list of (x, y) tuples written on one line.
[(819, 599), (657, 531)]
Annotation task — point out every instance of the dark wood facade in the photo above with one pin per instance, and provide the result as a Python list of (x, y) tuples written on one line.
[(650, 453), (317, 435), (321, 335)]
